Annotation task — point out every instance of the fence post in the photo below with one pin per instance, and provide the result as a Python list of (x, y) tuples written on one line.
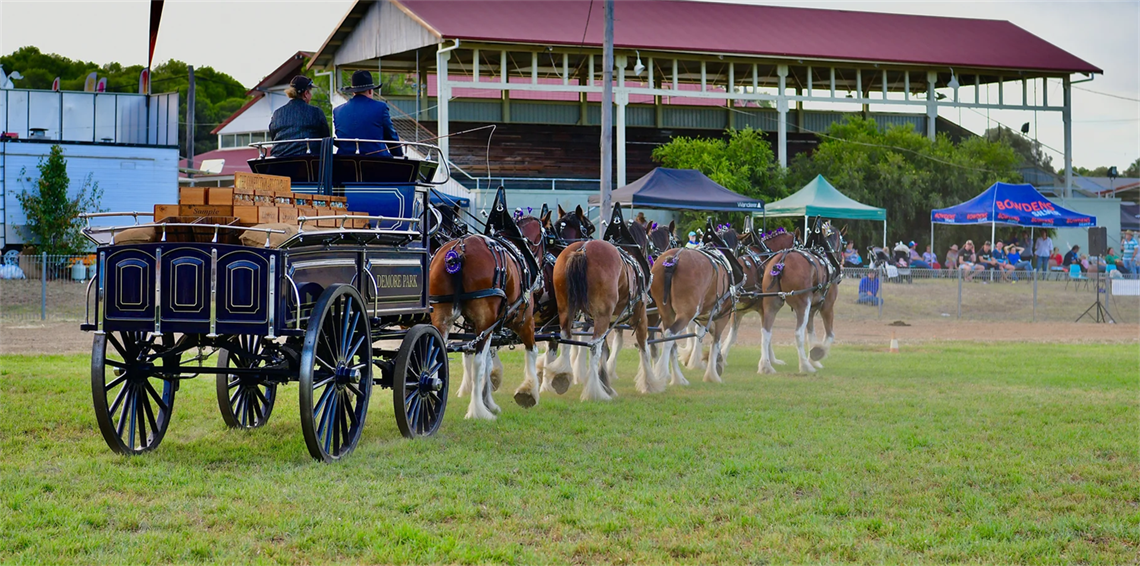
[(43, 286), (1034, 297), (959, 293), (882, 293)]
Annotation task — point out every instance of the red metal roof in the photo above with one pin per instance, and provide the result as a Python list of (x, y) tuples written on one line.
[(236, 160), (674, 25)]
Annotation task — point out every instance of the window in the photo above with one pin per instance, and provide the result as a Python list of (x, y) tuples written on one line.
[(226, 141), (242, 140)]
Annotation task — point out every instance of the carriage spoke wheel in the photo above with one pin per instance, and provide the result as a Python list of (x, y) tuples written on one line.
[(335, 374), (246, 401), (419, 382), (132, 396)]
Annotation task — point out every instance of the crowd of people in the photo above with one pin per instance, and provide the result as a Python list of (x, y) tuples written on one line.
[(1002, 258)]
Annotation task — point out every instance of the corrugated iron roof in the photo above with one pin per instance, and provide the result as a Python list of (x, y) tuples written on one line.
[(797, 33)]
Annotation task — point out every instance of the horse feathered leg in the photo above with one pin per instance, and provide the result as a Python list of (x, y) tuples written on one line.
[(767, 320), (592, 389), (802, 317), (615, 347), (465, 385), (480, 373), (558, 370), (496, 370), (527, 393)]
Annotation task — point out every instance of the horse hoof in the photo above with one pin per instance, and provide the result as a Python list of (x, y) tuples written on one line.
[(496, 381), (817, 365), (779, 363), (525, 400), (817, 353), (560, 383)]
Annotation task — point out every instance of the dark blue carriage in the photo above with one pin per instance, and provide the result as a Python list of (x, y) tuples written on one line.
[(336, 309)]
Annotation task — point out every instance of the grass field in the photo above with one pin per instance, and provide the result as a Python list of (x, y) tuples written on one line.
[(952, 452)]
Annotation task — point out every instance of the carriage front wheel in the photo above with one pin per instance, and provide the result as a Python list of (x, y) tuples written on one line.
[(335, 374), (130, 373), (419, 382)]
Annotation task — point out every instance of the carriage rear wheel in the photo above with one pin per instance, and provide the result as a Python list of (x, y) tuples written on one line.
[(419, 382), (246, 401), (335, 374), (131, 374)]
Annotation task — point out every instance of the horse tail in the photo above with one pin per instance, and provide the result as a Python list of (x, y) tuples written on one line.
[(670, 270), (453, 264), (576, 280)]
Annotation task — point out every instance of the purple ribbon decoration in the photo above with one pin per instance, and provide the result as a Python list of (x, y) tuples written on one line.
[(451, 262), (670, 261), (777, 269)]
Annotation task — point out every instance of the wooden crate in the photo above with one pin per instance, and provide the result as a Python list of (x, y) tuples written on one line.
[(205, 210), (307, 211), (249, 215), (326, 211), (263, 197), (164, 211), (192, 195), (243, 196), (220, 195), (273, 183), (287, 214), (302, 199)]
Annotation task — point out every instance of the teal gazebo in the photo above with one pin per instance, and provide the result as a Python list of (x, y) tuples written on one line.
[(820, 198)]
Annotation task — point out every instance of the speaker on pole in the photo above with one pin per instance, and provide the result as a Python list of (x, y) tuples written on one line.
[(1098, 241)]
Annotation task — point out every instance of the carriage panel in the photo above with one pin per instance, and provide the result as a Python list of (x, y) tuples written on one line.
[(313, 271), (397, 280), (128, 283)]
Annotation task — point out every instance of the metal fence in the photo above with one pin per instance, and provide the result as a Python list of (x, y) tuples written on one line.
[(44, 288), (1026, 296), (53, 288)]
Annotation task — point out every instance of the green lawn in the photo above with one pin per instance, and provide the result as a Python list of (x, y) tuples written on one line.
[(957, 452)]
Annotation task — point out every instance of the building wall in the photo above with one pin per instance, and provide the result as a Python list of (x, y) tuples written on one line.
[(1107, 212), (132, 178)]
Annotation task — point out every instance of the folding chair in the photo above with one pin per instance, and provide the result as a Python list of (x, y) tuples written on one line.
[(1076, 277)]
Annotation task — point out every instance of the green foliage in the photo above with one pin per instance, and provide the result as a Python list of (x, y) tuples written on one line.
[(53, 215), (217, 95), (903, 171), (744, 163), (1031, 151), (1133, 170)]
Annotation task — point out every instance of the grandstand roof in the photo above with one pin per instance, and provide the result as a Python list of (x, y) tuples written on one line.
[(713, 27)]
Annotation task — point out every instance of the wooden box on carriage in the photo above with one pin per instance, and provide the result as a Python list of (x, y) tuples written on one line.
[(275, 184)]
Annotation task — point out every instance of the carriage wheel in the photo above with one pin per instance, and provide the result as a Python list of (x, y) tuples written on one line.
[(335, 374), (419, 382), (246, 401), (130, 374)]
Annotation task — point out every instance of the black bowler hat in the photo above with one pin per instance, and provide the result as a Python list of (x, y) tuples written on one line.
[(361, 81), (301, 83)]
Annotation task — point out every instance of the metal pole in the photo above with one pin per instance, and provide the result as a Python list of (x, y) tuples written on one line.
[(190, 120), (959, 293), (882, 293), (607, 112), (885, 234), (43, 286), (1034, 299)]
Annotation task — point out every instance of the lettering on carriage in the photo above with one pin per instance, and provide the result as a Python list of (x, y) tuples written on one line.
[(398, 281)]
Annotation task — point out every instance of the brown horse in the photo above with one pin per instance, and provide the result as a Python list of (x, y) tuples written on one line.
[(488, 282), (690, 285), (807, 280), (596, 279), (753, 252)]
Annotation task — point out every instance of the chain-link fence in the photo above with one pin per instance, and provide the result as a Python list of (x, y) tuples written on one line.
[(53, 288), (917, 294), (41, 287)]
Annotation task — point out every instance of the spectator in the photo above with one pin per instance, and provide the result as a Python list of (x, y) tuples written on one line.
[(1112, 258), (952, 257), (851, 256), (1128, 252), (1073, 256), (1002, 260), (930, 259), (1014, 254), (869, 289), (916, 259), (967, 261), (1042, 249), (1055, 260), (986, 257), (692, 243), (641, 219)]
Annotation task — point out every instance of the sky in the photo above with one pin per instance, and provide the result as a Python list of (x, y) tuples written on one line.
[(249, 38)]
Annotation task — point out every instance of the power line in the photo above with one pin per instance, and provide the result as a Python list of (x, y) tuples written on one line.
[(1108, 94)]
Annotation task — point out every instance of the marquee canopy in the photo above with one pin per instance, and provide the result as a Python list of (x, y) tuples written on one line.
[(680, 189), (1019, 205), (819, 198)]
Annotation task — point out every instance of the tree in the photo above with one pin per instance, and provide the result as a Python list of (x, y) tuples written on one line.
[(52, 215), (904, 172), (1133, 171), (1031, 151), (743, 163)]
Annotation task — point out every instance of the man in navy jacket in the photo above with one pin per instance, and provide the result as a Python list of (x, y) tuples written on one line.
[(363, 117)]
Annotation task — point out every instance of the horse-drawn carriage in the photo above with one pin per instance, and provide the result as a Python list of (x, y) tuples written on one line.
[(276, 308)]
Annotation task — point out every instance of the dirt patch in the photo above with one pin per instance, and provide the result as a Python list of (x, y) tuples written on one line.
[(66, 338)]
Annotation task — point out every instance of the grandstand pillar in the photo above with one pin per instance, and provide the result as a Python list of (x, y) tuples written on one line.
[(931, 105), (621, 98), (782, 108), (1067, 118), (443, 94)]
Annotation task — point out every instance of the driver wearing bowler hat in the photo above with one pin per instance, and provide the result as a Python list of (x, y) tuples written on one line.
[(363, 117)]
